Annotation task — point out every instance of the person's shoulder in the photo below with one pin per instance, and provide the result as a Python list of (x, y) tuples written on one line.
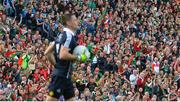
[(68, 31)]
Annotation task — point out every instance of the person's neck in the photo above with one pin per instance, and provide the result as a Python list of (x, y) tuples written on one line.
[(69, 27)]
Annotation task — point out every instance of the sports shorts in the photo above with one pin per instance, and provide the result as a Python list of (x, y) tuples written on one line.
[(60, 86)]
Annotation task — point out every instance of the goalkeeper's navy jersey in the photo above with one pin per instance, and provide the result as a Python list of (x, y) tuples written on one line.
[(63, 68)]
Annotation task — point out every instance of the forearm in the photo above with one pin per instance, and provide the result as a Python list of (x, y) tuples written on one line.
[(65, 55), (39, 24), (68, 56), (49, 49), (49, 53), (51, 58)]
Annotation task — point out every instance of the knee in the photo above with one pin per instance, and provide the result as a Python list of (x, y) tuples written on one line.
[(49, 98)]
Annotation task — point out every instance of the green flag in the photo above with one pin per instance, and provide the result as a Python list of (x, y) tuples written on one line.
[(133, 62), (26, 59)]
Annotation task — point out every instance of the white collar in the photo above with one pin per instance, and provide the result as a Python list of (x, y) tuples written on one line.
[(68, 30)]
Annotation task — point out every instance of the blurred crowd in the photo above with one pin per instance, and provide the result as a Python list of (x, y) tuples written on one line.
[(134, 45)]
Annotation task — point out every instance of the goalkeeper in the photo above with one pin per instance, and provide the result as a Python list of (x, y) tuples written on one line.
[(62, 59)]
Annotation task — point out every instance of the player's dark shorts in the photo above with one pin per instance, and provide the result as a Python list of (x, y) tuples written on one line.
[(61, 86)]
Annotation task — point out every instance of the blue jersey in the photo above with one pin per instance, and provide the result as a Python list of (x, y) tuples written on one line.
[(63, 68)]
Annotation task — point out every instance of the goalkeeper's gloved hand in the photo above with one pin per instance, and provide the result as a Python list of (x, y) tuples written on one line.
[(82, 58)]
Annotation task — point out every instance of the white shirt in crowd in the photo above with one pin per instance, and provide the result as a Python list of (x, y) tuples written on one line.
[(94, 60), (107, 48), (133, 79), (156, 67)]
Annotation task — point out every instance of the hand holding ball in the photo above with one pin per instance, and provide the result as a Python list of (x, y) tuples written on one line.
[(82, 52)]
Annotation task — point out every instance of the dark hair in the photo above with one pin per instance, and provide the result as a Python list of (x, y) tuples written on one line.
[(65, 18)]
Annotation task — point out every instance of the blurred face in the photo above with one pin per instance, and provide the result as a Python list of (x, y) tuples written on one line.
[(146, 94), (140, 89), (82, 97), (74, 22), (76, 92), (20, 99), (178, 93), (156, 59), (91, 80), (132, 86), (135, 72), (144, 98), (87, 93)]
